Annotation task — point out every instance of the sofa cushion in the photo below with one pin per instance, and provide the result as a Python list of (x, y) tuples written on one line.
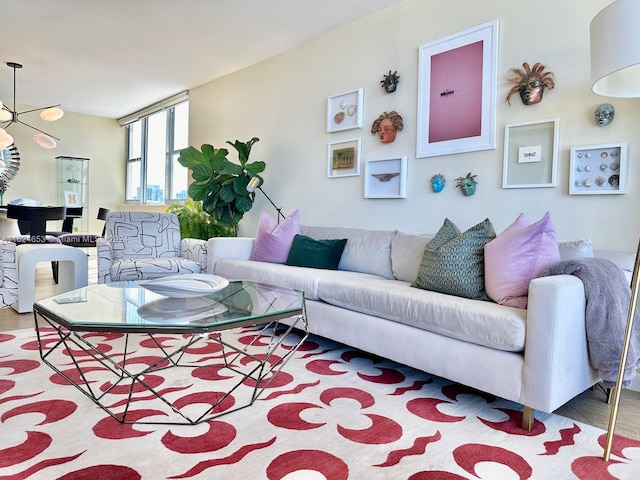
[(517, 256), (307, 252), (298, 278), (453, 262), (407, 249), (482, 323), (367, 251), (624, 260), (570, 250), (273, 240), (127, 269)]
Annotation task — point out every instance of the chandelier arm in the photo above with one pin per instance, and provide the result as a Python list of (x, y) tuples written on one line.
[(41, 131), (38, 109)]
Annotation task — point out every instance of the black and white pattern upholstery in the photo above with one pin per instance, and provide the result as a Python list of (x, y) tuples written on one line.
[(8, 274), (145, 245)]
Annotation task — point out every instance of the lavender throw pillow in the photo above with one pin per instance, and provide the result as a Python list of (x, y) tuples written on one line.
[(273, 241), (517, 256)]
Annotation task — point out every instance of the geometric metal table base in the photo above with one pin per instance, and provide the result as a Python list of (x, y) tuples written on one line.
[(118, 380)]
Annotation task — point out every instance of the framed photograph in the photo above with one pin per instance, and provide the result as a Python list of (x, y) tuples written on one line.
[(457, 92), (344, 111), (344, 159), (71, 199), (530, 154), (385, 178), (598, 169)]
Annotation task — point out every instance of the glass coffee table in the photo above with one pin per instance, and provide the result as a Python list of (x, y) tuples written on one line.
[(124, 346)]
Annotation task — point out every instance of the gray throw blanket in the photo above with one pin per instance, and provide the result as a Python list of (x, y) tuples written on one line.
[(607, 308)]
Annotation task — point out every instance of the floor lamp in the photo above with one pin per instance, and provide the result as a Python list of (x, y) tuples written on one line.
[(615, 71), (255, 183)]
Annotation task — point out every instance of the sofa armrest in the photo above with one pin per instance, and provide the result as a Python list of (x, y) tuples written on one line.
[(221, 248), (8, 274), (195, 250), (105, 258), (556, 366)]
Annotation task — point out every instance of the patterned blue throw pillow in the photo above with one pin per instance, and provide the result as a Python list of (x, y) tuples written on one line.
[(453, 262)]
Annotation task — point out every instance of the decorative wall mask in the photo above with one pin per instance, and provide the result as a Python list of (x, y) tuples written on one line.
[(467, 184), (530, 82), (390, 82), (386, 126), (438, 182), (604, 114)]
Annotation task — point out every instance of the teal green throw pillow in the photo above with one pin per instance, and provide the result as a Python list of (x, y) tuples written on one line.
[(307, 252), (453, 262)]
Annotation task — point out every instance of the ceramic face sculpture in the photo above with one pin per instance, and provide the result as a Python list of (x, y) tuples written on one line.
[(467, 184), (531, 82), (437, 183), (531, 92), (604, 114), (390, 82), (386, 126), (468, 188), (386, 131)]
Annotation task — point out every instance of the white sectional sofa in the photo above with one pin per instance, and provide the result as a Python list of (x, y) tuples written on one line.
[(536, 357)]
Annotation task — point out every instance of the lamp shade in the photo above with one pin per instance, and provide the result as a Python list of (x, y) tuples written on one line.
[(5, 116), (615, 50), (51, 114), (253, 184), (45, 141), (5, 139)]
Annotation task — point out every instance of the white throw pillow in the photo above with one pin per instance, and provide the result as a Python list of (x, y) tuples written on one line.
[(367, 251), (407, 249)]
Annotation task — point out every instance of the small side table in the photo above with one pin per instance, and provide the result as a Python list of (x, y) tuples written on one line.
[(73, 270)]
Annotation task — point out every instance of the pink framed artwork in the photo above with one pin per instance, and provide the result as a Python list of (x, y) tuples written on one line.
[(457, 91)]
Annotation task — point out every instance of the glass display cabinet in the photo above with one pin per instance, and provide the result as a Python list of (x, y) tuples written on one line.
[(73, 187)]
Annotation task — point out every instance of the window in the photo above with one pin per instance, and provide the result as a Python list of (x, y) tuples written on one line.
[(154, 141)]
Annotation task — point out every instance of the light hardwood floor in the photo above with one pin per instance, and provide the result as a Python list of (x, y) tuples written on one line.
[(590, 407)]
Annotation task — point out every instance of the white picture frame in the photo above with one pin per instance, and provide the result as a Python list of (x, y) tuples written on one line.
[(385, 178), (457, 92), (598, 169), (540, 140), (344, 110), (72, 198), (343, 159)]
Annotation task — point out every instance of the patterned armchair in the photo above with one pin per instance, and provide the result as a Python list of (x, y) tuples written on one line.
[(145, 245), (8, 274)]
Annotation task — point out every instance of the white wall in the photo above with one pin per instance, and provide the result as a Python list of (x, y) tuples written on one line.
[(283, 102), (101, 140)]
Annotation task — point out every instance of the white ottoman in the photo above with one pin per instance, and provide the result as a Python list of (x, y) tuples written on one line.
[(73, 270)]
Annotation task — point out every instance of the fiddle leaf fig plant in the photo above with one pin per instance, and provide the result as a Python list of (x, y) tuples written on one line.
[(220, 184)]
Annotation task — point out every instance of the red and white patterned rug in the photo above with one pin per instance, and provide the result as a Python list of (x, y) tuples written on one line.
[(333, 413)]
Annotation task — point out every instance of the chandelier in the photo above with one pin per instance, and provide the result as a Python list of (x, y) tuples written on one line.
[(8, 116)]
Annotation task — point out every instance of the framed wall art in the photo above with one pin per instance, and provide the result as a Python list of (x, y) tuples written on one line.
[(385, 178), (71, 199), (344, 159), (598, 169), (457, 91), (530, 154), (344, 111)]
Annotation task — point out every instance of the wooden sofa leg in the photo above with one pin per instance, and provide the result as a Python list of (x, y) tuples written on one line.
[(527, 418)]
